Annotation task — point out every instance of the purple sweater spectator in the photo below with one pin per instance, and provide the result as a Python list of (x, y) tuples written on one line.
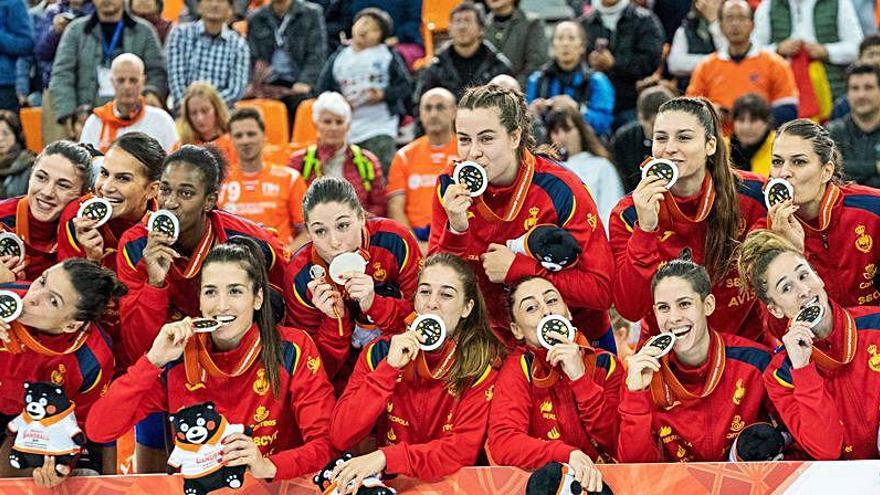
[(46, 37)]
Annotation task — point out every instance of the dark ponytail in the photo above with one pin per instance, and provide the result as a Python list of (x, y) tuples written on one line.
[(94, 284), (247, 253), (684, 267), (723, 226)]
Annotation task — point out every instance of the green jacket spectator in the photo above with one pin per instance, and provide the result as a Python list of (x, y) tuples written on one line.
[(81, 51)]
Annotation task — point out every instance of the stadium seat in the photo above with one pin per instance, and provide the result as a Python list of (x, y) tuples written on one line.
[(304, 132), (172, 9), (275, 115), (435, 14), (31, 125)]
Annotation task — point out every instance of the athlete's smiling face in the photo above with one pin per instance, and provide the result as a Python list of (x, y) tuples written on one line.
[(227, 293), (680, 310)]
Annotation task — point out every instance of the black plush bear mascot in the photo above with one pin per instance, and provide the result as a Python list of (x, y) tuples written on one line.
[(557, 479), (554, 247), (371, 486), (46, 426), (198, 449)]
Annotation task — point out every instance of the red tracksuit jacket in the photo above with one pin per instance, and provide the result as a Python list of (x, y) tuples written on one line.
[(394, 263), (40, 238), (532, 425), (68, 245), (637, 254), (840, 246), (551, 195), (424, 431), (291, 429), (146, 308), (833, 414), (701, 429), (83, 370)]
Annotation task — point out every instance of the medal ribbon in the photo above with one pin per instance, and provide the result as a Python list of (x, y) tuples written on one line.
[(20, 338), (666, 388), (850, 341), (553, 375), (515, 204), (22, 225), (194, 266), (670, 212), (832, 194), (198, 362)]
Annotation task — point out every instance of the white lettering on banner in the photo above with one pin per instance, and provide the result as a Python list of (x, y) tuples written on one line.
[(418, 181)]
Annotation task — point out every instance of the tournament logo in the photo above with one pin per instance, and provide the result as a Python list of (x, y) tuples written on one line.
[(864, 242), (874, 360), (261, 384)]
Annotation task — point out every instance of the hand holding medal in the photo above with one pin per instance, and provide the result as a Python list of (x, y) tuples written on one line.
[(658, 176), (325, 297), (431, 331), (556, 334), (12, 257), (798, 339), (781, 209), (643, 364), (163, 228), (10, 309)]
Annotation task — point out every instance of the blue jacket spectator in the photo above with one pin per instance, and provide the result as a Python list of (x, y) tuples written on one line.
[(590, 89), (567, 74), (16, 40)]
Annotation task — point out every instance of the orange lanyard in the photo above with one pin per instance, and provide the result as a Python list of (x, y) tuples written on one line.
[(515, 204), (199, 364), (670, 212), (20, 338), (666, 388)]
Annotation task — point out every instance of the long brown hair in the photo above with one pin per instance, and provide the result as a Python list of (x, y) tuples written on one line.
[(567, 117), (245, 252), (720, 244), (511, 107), (188, 133), (760, 248), (478, 348)]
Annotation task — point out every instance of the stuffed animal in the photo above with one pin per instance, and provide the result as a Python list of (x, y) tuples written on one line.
[(46, 426), (759, 442), (198, 450), (558, 479), (371, 486), (555, 248)]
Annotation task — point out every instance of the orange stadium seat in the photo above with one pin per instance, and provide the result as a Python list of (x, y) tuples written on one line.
[(304, 132), (435, 19), (275, 114), (32, 127), (172, 9)]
